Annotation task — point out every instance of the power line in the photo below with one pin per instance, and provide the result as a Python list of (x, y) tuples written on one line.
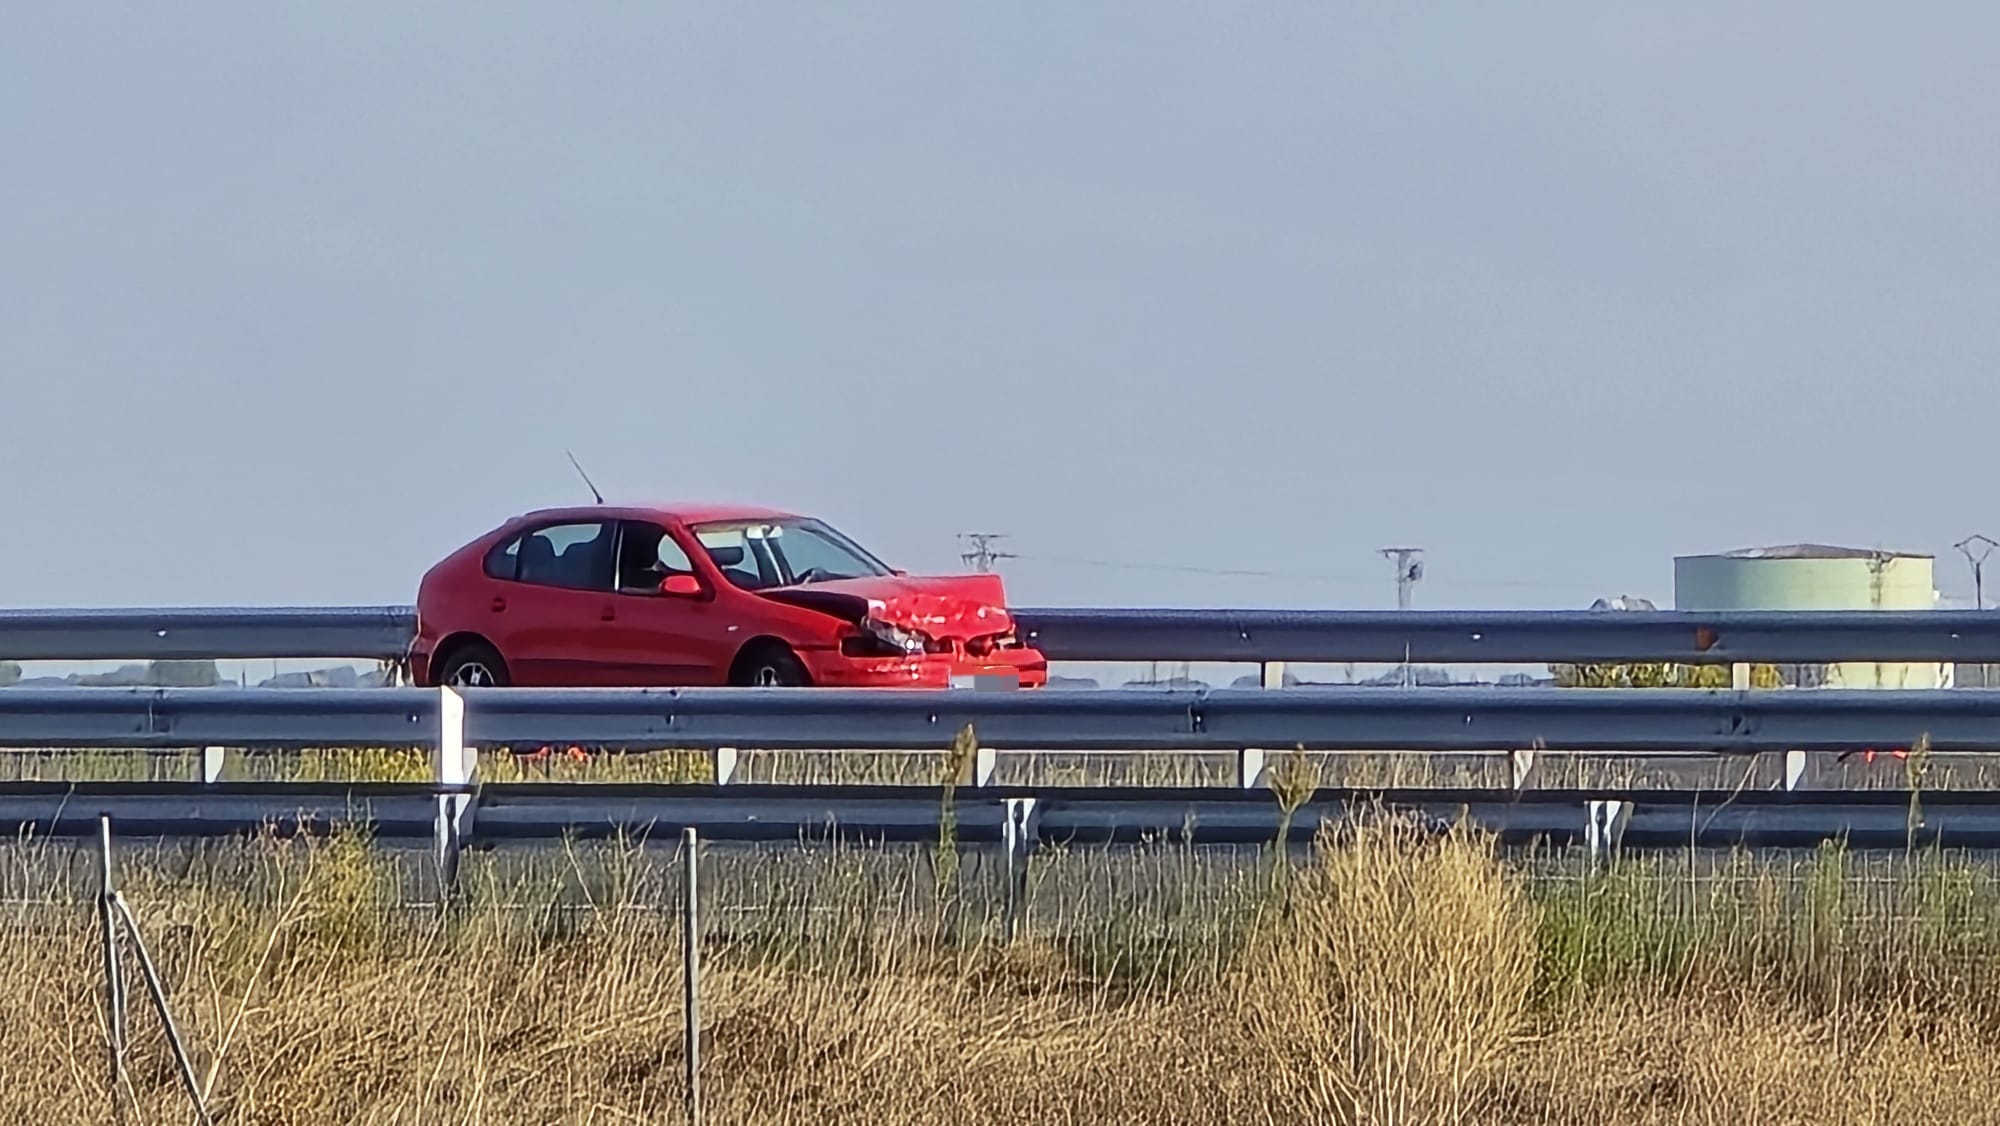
[(1306, 576)]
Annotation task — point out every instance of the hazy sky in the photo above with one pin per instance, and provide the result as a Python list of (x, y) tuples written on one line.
[(293, 299)]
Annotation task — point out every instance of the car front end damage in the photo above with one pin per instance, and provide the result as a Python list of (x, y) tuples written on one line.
[(856, 663), (928, 640)]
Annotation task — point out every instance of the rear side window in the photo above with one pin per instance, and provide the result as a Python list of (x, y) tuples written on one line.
[(571, 556), (504, 561)]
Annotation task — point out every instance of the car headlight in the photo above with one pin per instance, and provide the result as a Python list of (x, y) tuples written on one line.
[(896, 637)]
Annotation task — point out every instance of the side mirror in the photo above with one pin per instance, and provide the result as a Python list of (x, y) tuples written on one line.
[(682, 586)]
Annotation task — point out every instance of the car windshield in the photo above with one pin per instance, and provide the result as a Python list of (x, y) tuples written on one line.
[(754, 554)]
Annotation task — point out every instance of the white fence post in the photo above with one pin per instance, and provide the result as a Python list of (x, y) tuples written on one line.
[(455, 764), (211, 764)]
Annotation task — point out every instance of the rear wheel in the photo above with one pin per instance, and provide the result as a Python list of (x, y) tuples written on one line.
[(769, 666), (473, 664)]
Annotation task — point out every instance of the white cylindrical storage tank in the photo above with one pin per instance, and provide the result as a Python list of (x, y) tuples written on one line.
[(1819, 577)]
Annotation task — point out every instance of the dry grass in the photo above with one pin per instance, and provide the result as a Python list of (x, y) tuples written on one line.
[(1391, 977), (1392, 981), (1936, 771)]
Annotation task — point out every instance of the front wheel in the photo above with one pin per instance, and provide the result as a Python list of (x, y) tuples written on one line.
[(770, 666)]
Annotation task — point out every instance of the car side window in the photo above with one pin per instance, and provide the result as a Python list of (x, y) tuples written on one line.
[(731, 552), (647, 555), (570, 556), (504, 561)]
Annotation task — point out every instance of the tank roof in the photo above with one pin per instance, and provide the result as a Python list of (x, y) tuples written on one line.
[(1811, 551)]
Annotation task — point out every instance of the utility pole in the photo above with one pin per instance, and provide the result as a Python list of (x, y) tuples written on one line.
[(1978, 562), (1409, 569), (980, 556)]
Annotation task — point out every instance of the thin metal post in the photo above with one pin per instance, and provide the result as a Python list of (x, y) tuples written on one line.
[(691, 973), (114, 980), (159, 993)]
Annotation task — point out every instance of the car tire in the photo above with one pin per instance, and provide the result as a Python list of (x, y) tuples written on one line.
[(474, 664), (769, 666)]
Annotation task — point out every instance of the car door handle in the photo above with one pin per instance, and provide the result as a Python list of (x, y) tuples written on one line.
[(609, 613), (499, 604)]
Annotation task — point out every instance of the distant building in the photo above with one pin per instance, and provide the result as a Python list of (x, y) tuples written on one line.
[(1819, 577)]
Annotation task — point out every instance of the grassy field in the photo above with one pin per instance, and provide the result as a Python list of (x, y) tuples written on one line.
[(1386, 977)]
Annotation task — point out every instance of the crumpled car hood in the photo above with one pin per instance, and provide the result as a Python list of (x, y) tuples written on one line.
[(956, 607)]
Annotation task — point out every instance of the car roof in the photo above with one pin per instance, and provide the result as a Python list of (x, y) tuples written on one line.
[(691, 512)]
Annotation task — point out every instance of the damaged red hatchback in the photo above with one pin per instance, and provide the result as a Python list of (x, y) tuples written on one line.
[(701, 595)]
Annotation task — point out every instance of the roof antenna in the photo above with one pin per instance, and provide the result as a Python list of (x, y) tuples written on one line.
[(585, 476)]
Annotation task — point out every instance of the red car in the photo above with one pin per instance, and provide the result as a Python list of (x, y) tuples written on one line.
[(701, 595)]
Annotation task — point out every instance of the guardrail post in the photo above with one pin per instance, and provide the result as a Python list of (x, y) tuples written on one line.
[(455, 765), (211, 764), (1604, 828), (986, 759), (1249, 767), (1250, 761), (1018, 840), (723, 759), (1523, 763)]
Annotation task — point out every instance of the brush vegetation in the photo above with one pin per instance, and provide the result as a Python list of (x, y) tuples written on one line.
[(1383, 975)]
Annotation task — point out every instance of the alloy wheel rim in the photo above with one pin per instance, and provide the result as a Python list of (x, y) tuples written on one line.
[(473, 674)]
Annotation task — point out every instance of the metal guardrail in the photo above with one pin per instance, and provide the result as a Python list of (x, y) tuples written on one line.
[(1447, 637), (1324, 719), (221, 633), (1025, 819), (1139, 634)]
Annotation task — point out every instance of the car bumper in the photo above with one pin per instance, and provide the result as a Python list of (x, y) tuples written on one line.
[(832, 669)]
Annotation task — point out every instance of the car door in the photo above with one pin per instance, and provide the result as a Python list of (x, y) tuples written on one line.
[(662, 639), (552, 621)]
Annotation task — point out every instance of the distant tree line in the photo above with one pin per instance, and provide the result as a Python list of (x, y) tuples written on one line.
[(153, 674)]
